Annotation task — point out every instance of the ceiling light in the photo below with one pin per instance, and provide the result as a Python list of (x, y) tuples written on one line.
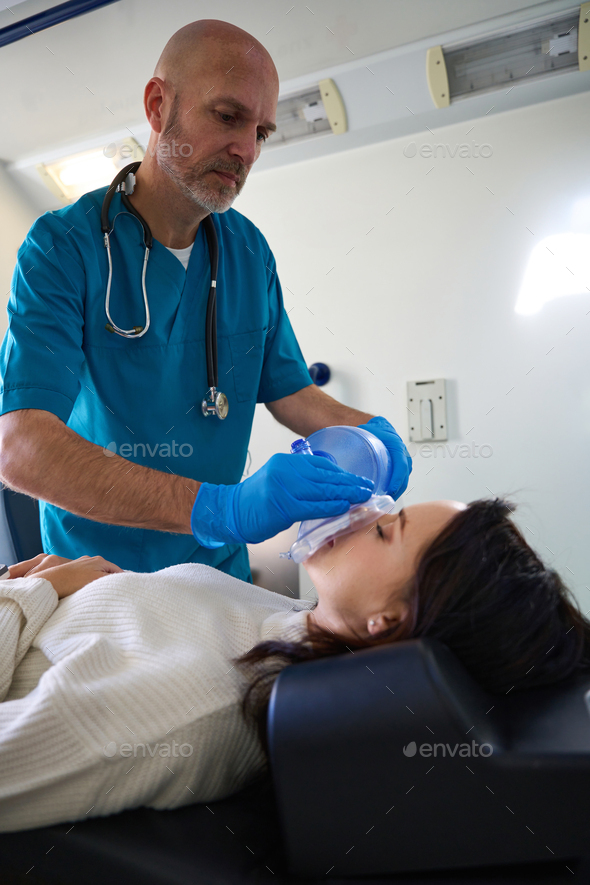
[(317, 110), (90, 168), (532, 51), (71, 177)]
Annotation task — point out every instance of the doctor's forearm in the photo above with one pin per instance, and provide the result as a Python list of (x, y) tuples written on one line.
[(311, 409), (43, 458)]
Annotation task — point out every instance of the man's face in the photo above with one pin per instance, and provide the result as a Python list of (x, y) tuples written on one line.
[(218, 127)]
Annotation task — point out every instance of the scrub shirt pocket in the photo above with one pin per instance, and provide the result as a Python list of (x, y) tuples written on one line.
[(247, 351)]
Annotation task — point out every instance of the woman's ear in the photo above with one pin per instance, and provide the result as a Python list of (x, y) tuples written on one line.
[(388, 619)]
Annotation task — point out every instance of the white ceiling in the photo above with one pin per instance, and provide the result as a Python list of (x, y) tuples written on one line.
[(86, 77)]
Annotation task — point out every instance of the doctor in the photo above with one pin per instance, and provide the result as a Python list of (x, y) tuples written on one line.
[(107, 431)]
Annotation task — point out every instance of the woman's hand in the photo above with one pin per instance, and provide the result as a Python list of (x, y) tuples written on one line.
[(66, 575), (36, 564)]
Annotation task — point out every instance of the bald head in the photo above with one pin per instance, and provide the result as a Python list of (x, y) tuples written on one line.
[(203, 48), (211, 105)]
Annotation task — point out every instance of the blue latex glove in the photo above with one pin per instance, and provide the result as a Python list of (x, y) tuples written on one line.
[(287, 489), (402, 463)]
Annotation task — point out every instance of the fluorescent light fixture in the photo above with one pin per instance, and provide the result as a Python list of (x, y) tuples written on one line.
[(559, 265), (317, 110), (71, 177), (524, 53), (75, 173)]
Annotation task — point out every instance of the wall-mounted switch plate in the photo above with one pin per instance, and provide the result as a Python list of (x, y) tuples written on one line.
[(427, 410)]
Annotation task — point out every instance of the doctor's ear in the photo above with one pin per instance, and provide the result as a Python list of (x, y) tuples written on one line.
[(153, 98)]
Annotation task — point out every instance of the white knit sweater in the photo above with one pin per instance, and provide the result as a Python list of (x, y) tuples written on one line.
[(124, 694)]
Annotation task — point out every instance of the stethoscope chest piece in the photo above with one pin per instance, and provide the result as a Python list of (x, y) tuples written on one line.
[(215, 403)]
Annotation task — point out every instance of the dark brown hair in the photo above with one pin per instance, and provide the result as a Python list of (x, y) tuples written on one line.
[(480, 589)]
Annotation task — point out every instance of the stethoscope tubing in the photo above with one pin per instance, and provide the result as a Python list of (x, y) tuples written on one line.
[(127, 333), (213, 244), (211, 318)]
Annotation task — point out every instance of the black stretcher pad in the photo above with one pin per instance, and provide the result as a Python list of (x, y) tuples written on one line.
[(345, 804)]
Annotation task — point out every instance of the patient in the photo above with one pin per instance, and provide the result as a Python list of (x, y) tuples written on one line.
[(462, 574), (122, 689)]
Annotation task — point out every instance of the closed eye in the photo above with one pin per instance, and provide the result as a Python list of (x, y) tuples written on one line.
[(401, 519)]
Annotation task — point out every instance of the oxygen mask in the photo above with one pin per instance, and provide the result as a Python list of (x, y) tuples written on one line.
[(357, 451)]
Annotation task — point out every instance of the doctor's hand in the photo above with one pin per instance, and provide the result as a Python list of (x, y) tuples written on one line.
[(400, 457), (66, 575), (287, 489)]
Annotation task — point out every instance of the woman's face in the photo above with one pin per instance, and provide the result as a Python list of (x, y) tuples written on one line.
[(359, 577)]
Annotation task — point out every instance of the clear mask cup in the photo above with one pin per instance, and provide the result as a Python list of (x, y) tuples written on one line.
[(357, 451)]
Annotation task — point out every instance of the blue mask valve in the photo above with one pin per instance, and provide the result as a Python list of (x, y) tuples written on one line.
[(301, 447)]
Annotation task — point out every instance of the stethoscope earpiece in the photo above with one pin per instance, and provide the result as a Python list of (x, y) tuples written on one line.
[(136, 329)]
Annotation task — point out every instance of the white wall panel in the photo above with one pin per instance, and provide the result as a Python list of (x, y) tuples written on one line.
[(428, 288)]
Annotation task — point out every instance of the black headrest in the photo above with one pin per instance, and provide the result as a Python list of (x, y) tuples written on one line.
[(402, 743)]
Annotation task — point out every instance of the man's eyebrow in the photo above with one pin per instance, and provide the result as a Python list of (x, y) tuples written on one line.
[(227, 99)]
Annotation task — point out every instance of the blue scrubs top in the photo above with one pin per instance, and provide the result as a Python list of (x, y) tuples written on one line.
[(142, 398)]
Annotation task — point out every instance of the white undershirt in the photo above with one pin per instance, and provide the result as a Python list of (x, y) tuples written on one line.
[(183, 255)]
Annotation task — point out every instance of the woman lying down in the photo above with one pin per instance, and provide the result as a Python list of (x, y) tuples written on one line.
[(122, 689)]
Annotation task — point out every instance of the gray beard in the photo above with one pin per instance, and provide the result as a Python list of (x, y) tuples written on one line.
[(192, 184)]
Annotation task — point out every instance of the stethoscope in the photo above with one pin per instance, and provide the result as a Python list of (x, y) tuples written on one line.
[(214, 402)]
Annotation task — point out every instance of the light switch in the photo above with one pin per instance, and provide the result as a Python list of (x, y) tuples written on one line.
[(426, 419), (427, 410)]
